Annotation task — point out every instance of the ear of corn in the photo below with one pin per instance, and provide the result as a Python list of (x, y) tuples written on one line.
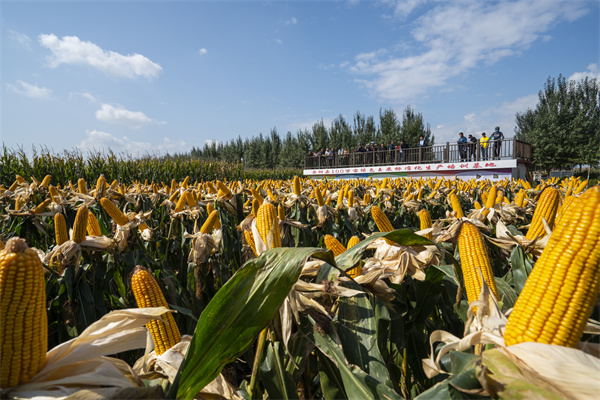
[(560, 293), (209, 209), (456, 206), (208, 225), (268, 225), (93, 227), (82, 186), (474, 258), (319, 197), (250, 240), (546, 208), (23, 318), (60, 229), (334, 245), (281, 212), (148, 294), (354, 240), (42, 206), (425, 220), (180, 203), (114, 212), (382, 222), (257, 196), (80, 224), (46, 181), (297, 186), (490, 201)]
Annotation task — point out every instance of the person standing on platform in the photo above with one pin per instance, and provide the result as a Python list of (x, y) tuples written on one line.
[(483, 142), (422, 145), (472, 148), (401, 151), (392, 152), (497, 138), (462, 146)]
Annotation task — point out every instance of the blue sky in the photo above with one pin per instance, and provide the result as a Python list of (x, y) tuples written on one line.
[(163, 76)]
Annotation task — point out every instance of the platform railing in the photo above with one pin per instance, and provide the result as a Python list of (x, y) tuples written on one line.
[(506, 149)]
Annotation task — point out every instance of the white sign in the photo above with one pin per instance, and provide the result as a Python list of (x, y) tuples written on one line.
[(411, 168)]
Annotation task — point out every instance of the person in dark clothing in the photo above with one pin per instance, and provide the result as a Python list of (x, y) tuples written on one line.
[(473, 148), (361, 156), (392, 149), (462, 146), (403, 156), (496, 138)]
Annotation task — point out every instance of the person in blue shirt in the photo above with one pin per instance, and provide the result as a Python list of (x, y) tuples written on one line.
[(462, 146), (497, 138)]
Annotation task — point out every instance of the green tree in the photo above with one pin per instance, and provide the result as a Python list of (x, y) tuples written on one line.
[(413, 127), (564, 128), (389, 127)]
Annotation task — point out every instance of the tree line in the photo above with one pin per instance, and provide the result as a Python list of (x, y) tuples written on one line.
[(274, 151), (564, 127)]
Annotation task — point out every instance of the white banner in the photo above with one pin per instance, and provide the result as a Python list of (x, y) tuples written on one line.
[(412, 168)]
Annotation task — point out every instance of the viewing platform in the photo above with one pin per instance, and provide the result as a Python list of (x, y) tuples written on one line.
[(509, 158)]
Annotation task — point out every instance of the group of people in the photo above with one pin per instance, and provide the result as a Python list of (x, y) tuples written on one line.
[(467, 149)]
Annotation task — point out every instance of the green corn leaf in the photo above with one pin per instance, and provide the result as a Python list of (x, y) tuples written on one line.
[(237, 313)]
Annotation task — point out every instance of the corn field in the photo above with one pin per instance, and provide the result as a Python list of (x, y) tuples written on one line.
[(158, 283)]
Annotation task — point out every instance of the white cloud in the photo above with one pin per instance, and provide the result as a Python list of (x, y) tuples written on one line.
[(86, 95), (21, 39), (278, 41), (119, 114), (591, 72), (455, 37), (291, 21), (29, 90), (101, 141), (71, 50), (202, 51)]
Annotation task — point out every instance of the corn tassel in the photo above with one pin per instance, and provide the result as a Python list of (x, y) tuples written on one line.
[(474, 258), (561, 291), (546, 208), (23, 318), (148, 294)]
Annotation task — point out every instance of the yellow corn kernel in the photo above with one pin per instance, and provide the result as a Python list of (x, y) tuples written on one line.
[(23, 317), (281, 212), (148, 294)]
